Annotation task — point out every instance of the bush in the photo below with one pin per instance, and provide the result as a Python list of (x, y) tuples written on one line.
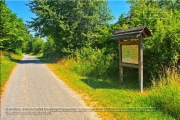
[(92, 62), (18, 52), (162, 49)]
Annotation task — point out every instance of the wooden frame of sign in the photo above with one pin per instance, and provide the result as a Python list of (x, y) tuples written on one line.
[(131, 50), (131, 61)]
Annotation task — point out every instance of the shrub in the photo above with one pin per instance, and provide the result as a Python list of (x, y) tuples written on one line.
[(18, 52), (92, 62)]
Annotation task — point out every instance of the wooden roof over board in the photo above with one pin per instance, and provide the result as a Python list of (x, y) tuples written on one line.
[(132, 33)]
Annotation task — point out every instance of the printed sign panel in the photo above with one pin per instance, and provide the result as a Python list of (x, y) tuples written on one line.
[(130, 54)]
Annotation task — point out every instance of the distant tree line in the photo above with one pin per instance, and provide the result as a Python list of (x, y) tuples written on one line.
[(14, 35)]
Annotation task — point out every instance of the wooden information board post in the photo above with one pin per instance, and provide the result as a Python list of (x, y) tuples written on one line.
[(131, 50)]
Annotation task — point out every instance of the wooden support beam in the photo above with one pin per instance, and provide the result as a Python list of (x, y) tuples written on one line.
[(130, 65), (121, 75), (129, 42), (127, 38), (145, 34), (120, 65), (140, 64)]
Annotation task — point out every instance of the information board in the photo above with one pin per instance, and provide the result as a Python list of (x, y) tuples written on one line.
[(130, 54)]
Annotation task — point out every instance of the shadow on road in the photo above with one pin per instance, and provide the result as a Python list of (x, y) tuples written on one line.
[(30, 62)]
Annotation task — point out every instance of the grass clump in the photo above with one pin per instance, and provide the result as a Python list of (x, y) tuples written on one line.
[(7, 62)]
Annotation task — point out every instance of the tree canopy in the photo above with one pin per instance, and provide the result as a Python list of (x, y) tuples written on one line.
[(71, 24), (13, 32), (14, 35)]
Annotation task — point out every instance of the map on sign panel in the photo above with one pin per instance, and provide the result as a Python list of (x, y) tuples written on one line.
[(130, 54)]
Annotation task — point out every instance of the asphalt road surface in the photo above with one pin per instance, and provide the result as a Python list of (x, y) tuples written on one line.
[(33, 92)]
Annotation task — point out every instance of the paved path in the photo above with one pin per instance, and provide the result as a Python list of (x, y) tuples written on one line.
[(35, 93)]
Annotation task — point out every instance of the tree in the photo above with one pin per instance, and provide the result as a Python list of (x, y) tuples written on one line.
[(71, 24), (38, 46), (13, 31), (28, 44), (49, 49)]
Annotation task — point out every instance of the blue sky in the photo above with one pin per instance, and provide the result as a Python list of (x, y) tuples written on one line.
[(18, 6), (118, 7)]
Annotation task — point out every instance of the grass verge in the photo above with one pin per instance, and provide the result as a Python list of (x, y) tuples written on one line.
[(7, 62), (105, 93)]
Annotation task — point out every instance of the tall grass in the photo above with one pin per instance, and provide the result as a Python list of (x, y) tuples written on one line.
[(165, 93), (7, 62)]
